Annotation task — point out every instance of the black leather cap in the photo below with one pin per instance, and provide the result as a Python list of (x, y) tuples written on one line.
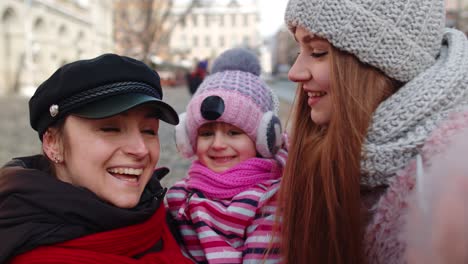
[(97, 88)]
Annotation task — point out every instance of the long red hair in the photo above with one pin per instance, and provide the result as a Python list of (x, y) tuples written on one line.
[(320, 207)]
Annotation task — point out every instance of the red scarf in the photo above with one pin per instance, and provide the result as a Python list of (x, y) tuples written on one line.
[(115, 246)]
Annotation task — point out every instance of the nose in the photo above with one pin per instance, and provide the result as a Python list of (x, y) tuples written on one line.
[(218, 142), (136, 145), (298, 72)]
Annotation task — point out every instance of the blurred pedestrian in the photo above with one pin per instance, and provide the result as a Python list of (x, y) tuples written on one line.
[(196, 77)]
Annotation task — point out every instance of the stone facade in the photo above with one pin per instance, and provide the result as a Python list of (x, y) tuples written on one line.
[(38, 36)]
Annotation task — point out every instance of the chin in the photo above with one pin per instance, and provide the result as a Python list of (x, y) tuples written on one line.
[(126, 203), (221, 168), (319, 119)]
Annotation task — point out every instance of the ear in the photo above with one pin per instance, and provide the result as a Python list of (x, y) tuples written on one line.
[(51, 145)]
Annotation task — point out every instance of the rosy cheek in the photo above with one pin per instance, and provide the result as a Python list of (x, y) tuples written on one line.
[(323, 79)]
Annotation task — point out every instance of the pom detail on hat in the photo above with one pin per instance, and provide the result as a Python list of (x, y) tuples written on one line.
[(237, 60)]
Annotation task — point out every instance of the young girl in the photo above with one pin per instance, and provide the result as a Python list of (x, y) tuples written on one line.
[(382, 89), (225, 206), (94, 195)]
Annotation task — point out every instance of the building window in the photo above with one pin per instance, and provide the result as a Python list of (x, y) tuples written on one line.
[(8, 16), (39, 25), (36, 52), (233, 20), (246, 20), (62, 30), (182, 22), (207, 41), (80, 37), (207, 20), (221, 41), (246, 41), (221, 21), (195, 41), (194, 20)]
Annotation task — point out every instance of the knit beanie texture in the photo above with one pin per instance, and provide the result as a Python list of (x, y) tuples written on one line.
[(235, 78), (402, 38)]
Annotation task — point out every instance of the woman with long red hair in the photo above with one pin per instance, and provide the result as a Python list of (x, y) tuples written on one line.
[(377, 82)]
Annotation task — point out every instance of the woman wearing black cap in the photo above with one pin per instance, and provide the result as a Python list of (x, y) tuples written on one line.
[(94, 195)]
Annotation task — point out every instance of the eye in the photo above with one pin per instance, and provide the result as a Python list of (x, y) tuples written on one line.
[(110, 129), (235, 132), (318, 54), (206, 133), (151, 132)]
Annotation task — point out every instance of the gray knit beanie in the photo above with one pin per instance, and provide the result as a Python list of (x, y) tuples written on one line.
[(400, 37)]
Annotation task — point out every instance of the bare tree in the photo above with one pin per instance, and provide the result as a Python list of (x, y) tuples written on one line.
[(143, 27)]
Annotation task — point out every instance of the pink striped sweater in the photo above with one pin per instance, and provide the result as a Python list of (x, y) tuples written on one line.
[(233, 229)]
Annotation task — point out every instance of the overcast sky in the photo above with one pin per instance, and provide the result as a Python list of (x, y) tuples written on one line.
[(272, 16)]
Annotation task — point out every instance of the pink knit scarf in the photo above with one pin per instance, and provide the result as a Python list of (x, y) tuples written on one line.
[(233, 181)]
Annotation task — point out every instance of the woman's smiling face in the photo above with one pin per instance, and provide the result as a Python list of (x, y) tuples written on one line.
[(312, 70), (113, 157)]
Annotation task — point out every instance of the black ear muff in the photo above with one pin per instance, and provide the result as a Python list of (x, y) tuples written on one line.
[(269, 135), (212, 107)]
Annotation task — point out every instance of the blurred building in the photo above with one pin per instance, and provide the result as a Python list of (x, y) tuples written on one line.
[(38, 36), (140, 27), (284, 51), (214, 26), (457, 14)]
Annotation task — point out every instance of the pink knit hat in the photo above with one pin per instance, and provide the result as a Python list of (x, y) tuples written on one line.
[(234, 94)]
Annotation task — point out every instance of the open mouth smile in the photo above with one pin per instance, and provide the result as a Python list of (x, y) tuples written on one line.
[(126, 174), (222, 159)]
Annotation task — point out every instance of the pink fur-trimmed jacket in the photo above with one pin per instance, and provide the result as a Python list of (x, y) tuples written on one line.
[(407, 214)]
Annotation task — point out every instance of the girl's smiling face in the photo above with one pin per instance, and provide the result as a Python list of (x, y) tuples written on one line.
[(220, 146)]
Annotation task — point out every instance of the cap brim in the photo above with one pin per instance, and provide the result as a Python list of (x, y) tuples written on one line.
[(120, 103)]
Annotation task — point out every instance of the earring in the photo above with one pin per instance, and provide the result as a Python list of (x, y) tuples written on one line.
[(57, 160)]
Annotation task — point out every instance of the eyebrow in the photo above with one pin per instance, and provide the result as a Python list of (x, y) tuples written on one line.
[(308, 38)]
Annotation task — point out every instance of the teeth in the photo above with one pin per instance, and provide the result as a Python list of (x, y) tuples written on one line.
[(316, 94), (129, 171), (223, 158)]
